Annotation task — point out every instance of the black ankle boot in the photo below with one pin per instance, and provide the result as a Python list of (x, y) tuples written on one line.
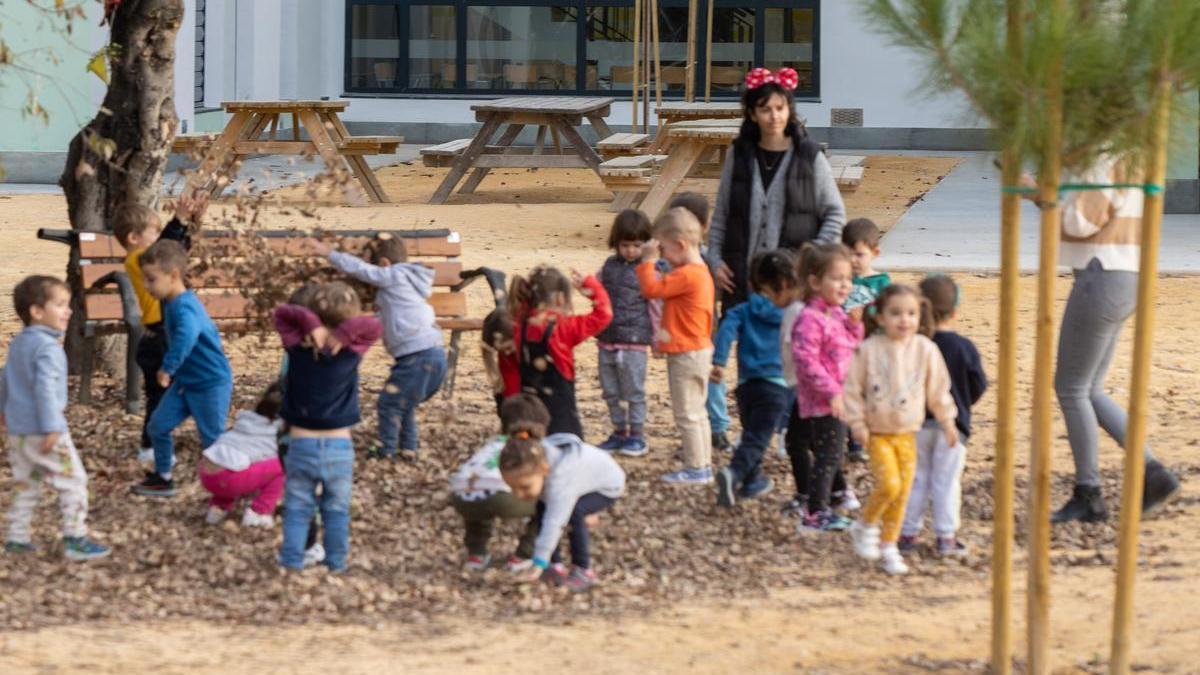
[(1086, 505), (1158, 486)]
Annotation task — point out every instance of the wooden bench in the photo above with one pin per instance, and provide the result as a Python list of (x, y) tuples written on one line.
[(617, 145), (444, 154), (629, 177), (110, 306), (195, 144)]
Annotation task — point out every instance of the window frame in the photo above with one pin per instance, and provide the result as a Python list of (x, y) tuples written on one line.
[(461, 8)]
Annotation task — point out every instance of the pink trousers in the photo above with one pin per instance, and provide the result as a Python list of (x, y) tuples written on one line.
[(264, 478)]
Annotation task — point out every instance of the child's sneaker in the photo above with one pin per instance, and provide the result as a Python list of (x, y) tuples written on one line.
[(516, 564), (856, 452), (725, 487), (155, 485), (80, 549), (19, 547), (866, 540), (408, 455), (798, 507), (215, 515), (907, 543), (252, 518), (314, 555), (580, 580), (891, 561), (477, 563), (823, 521), (720, 441), (613, 442), (845, 500), (951, 547), (634, 446), (702, 476), (756, 488), (556, 574)]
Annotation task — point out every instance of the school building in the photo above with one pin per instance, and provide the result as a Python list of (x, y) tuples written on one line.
[(414, 67)]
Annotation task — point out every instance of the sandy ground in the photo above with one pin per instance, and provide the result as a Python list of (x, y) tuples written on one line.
[(927, 622)]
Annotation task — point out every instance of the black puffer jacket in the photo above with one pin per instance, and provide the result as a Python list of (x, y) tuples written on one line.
[(631, 313)]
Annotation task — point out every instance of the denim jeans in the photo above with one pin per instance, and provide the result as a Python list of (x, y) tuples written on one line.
[(577, 534), (328, 462), (760, 405), (415, 379), (208, 407), (718, 408)]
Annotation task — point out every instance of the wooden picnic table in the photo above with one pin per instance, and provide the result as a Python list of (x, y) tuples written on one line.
[(561, 115), (327, 137), (690, 142), (683, 111)]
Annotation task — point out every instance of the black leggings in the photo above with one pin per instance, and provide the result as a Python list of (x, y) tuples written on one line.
[(822, 439)]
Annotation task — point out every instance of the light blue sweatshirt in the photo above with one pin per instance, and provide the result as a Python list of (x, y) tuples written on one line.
[(33, 389), (409, 324)]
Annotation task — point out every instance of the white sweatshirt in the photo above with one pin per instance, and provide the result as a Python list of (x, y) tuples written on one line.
[(576, 469)]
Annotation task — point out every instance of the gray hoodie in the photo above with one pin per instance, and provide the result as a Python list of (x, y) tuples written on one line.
[(576, 469), (252, 439), (33, 388), (409, 324)]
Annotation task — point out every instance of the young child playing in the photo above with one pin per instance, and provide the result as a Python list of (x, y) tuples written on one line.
[(546, 336), (938, 481), (685, 335), (823, 343), (33, 400), (895, 377), (572, 482), (244, 462), (194, 372), (410, 333), (762, 394), (625, 343), (862, 237), (136, 227), (480, 495), (320, 405), (499, 350)]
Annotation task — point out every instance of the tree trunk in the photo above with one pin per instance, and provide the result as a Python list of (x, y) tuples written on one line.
[(121, 154)]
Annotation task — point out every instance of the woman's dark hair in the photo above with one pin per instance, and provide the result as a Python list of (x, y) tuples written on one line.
[(629, 225), (942, 294), (524, 415), (873, 320), (544, 286), (816, 259), (497, 326), (775, 270), (271, 402), (753, 98)]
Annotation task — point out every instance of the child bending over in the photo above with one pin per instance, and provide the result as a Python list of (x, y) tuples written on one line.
[(480, 495), (244, 462), (33, 400), (320, 405), (895, 377)]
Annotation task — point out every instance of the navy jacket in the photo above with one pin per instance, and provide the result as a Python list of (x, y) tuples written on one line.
[(967, 379)]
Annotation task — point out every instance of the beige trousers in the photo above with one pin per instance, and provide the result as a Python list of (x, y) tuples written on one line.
[(687, 375), (61, 469)]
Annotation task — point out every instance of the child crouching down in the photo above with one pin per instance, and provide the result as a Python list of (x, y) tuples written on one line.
[(480, 495), (320, 404), (572, 482), (245, 461)]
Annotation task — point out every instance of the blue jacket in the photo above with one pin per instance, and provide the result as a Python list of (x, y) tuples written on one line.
[(754, 325), (194, 357), (33, 389)]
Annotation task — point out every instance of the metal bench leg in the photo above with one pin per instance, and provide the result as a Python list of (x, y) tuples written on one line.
[(87, 366), (452, 364), (133, 373)]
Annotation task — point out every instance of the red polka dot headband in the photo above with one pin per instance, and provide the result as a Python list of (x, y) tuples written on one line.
[(784, 77)]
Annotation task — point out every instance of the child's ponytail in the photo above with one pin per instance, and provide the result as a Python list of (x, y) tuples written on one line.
[(518, 297)]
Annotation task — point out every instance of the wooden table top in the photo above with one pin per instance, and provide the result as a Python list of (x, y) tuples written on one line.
[(283, 106), (699, 110), (568, 105), (719, 129)]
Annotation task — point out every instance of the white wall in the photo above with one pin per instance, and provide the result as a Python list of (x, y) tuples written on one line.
[(185, 67)]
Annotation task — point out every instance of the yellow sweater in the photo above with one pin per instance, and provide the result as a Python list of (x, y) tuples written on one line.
[(891, 384), (151, 310)]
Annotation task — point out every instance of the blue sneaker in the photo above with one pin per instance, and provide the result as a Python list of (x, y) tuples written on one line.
[(725, 487), (613, 443), (19, 547), (702, 476), (756, 488), (634, 446), (824, 521), (80, 549)]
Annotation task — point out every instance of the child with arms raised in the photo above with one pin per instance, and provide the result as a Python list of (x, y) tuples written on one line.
[(244, 462), (320, 405), (895, 377), (33, 400)]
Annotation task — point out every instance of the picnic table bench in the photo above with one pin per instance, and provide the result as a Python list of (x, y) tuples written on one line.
[(110, 306)]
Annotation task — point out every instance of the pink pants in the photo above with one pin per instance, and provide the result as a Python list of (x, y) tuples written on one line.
[(264, 478)]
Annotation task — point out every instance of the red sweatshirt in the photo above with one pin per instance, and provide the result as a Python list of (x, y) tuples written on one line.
[(569, 330)]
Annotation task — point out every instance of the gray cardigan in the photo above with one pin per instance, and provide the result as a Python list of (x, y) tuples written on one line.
[(828, 197)]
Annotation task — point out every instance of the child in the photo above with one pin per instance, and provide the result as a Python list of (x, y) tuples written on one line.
[(499, 350), (625, 343), (410, 333), (862, 236), (572, 482), (895, 376), (480, 495), (939, 466), (33, 399), (194, 372), (686, 334), (136, 227), (244, 461), (823, 343), (320, 405), (546, 335), (763, 396)]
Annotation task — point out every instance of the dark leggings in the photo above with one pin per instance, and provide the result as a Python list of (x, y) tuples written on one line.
[(592, 502), (149, 355), (822, 439)]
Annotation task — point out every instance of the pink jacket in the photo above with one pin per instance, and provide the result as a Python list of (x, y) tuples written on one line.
[(823, 343)]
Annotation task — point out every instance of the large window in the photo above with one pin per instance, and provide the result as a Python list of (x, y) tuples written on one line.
[(567, 46)]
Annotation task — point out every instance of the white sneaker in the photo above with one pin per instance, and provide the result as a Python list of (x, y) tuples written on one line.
[(850, 500), (866, 540), (891, 561), (215, 516), (252, 519), (314, 555)]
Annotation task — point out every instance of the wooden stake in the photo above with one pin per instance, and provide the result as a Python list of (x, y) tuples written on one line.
[(689, 72), (708, 53), (657, 54), (1135, 433), (1049, 175), (637, 65)]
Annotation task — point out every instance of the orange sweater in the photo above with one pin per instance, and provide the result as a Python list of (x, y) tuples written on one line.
[(687, 293)]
